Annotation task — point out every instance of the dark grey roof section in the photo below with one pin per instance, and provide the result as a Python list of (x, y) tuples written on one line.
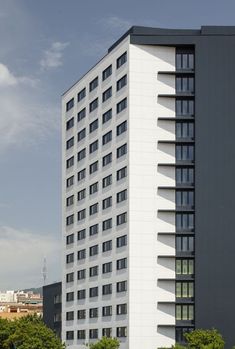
[(218, 30), (147, 32)]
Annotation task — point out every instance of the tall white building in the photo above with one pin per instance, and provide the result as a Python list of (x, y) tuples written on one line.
[(118, 216)]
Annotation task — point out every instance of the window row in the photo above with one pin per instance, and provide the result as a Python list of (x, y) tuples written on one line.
[(94, 271), (106, 203), (184, 312), (107, 159), (184, 84), (184, 266), (184, 289), (185, 175), (184, 243), (106, 181), (93, 251), (184, 221), (121, 286), (106, 224), (184, 60), (185, 130), (184, 198), (94, 333), (93, 230), (121, 309), (184, 153), (184, 107)]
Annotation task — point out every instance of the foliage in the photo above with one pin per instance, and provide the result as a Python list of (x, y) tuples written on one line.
[(28, 332), (178, 346), (105, 343), (205, 339)]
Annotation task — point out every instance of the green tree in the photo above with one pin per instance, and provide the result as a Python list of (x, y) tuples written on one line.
[(28, 332), (105, 343), (205, 339)]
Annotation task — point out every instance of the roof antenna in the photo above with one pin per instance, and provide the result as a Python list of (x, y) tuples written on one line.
[(44, 271)]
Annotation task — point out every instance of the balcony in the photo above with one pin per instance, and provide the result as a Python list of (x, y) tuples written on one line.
[(184, 277), (185, 254), (177, 141), (184, 300), (185, 323), (184, 72), (186, 117), (178, 209), (183, 186), (179, 163), (183, 95)]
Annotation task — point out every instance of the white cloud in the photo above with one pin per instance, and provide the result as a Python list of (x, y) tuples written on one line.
[(6, 77), (21, 258), (52, 58), (25, 115)]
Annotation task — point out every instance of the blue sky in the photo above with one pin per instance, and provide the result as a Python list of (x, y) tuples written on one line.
[(46, 46)]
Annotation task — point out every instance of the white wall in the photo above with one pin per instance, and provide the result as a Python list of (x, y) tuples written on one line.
[(115, 276), (145, 268)]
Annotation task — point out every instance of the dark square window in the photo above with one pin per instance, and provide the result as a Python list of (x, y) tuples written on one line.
[(94, 229), (107, 72), (69, 124), (81, 94), (93, 84), (107, 137), (107, 224), (122, 82), (69, 335), (81, 114), (94, 167), (81, 134), (82, 234), (70, 143), (93, 146), (107, 181), (94, 125), (93, 105), (121, 60), (121, 105), (121, 150), (107, 289), (107, 116), (122, 173), (70, 104), (107, 94), (93, 292), (107, 159)]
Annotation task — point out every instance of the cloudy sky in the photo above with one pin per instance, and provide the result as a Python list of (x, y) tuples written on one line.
[(44, 47)]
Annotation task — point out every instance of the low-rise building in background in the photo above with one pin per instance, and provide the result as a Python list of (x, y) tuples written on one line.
[(15, 304)]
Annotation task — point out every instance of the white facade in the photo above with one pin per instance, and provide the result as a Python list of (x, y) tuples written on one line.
[(150, 300), (8, 297)]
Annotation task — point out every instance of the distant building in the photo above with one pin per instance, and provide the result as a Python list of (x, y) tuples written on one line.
[(8, 297), (20, 297), (52, 307), (15, 304), (16, 310), (28, 297)]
